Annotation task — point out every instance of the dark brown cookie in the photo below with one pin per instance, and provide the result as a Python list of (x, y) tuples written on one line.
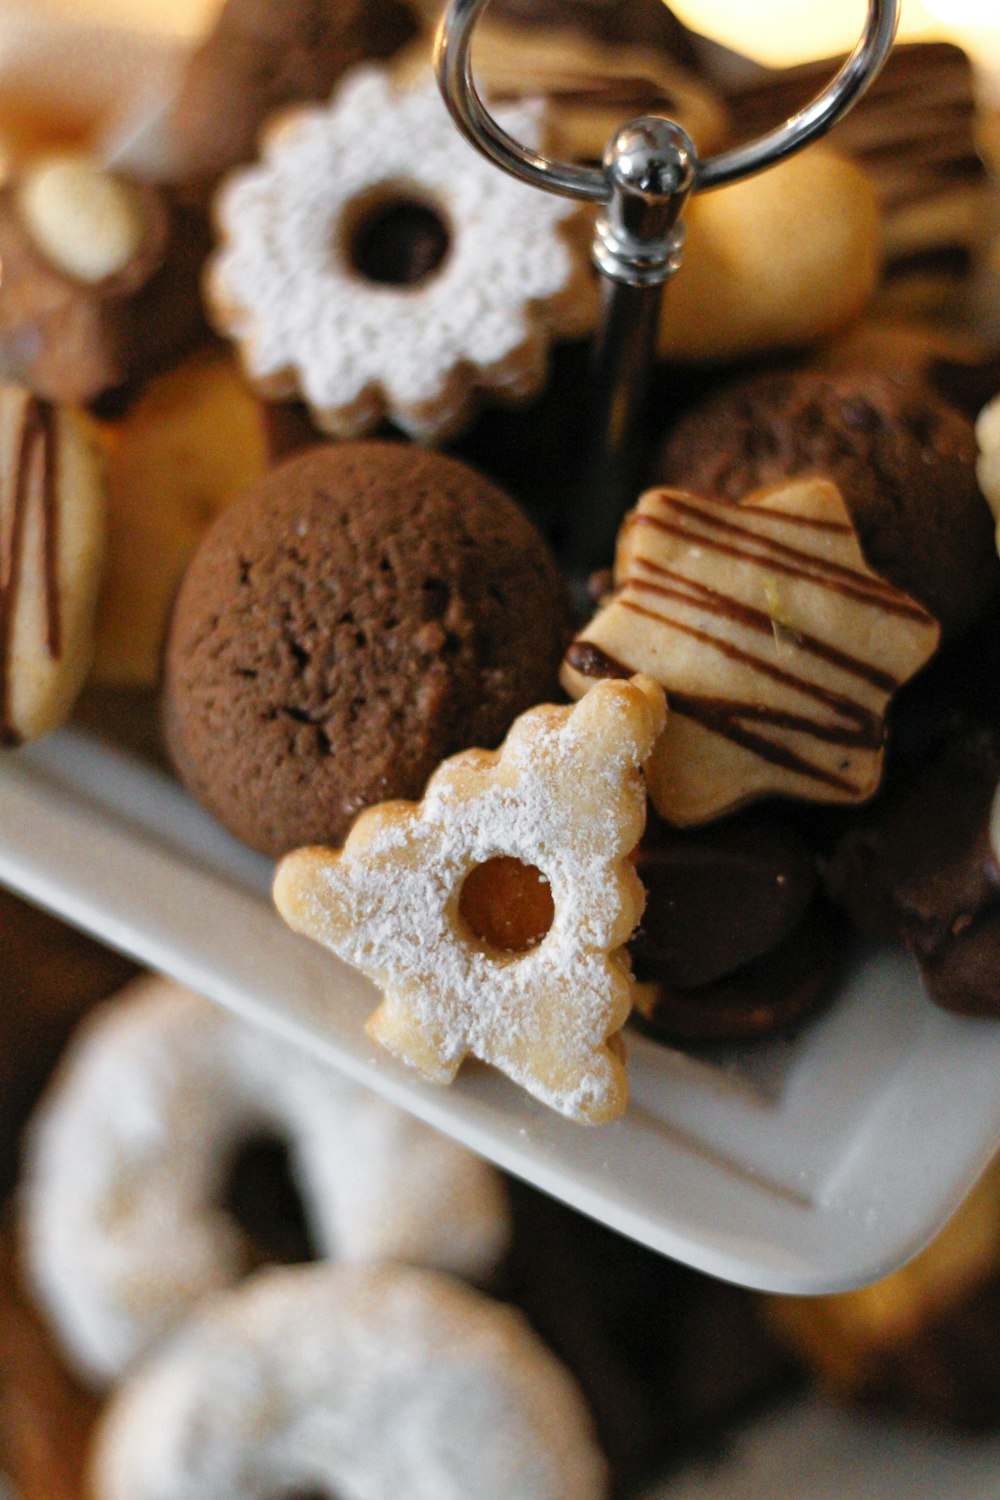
[(367, 610), (734, 941), (640, 22), (903, 460), (924, 869), (263, 56)]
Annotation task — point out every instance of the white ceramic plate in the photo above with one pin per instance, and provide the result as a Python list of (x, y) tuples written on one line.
[(801, 1166)]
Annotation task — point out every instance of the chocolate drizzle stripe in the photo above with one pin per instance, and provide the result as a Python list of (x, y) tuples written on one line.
[(782, 558), (729, 719), (35, 440), (590, 661), (688, 591), (708, 510), (866, 732)]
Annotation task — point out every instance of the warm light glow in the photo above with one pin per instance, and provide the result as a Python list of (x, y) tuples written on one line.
[(782, 32), (177, 19), (956, 13)]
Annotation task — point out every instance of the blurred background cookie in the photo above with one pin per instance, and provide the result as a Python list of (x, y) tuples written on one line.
[(191, 443), (52, 539), (259, 58)]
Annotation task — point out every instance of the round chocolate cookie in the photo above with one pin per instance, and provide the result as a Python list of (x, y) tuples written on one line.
[(366, 610), (903, 459)]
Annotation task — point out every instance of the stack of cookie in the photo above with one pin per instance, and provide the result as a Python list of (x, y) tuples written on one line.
[(329, 627)]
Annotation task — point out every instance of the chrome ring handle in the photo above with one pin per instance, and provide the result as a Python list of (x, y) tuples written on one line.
[(454, 69), (649, 170)]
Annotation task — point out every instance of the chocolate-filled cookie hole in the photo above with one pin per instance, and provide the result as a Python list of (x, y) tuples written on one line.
[(507, 904), (397, 239), (260, 1194)]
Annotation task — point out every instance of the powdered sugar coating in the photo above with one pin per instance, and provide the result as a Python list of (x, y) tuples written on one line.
[(565, 794), (123, 1228), (307, 321), (373, 1384)]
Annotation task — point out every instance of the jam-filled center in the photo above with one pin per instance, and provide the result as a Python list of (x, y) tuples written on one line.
[(507, 904), (397, 239)]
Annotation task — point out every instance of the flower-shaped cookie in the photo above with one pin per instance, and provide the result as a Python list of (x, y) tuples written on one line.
[(493, 914), (375, 264), (778, 647)]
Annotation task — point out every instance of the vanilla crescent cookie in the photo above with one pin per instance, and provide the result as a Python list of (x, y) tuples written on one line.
[(493, 913), (52, 539), (123, 1226), (378, 278), (988, 462), (375, 1383)]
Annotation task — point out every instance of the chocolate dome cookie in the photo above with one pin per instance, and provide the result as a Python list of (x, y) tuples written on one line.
[(903, 460), (736, 940), (366, 610)]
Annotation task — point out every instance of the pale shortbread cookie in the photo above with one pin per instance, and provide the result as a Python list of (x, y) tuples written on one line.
[(563, 801), (775, 262), (590, 88), (52, 533), (190, 445), (289, 287), (123, 1229), (988, 462), (777, 645), (380, 1383)]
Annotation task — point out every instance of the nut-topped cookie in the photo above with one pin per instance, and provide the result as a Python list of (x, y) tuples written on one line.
[(77, 243)]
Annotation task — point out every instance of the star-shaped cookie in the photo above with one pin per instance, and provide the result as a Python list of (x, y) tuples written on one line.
[(778, 647), (494, 913)]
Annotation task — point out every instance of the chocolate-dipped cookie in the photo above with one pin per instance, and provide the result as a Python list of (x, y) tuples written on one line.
[(365, 611), (904, 462)]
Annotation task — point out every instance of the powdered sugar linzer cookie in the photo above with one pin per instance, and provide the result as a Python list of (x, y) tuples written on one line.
[(493, 914), (124, 1226), (370, 1383), (373, 263)]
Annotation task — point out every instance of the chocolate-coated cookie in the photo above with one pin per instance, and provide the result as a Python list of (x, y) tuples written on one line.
[(735, 942), (924, 868), (903, 460), (365, 611)]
